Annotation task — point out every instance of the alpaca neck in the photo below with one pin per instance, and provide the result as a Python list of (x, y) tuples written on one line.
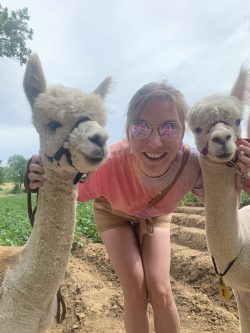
[(44, 260), (221, 203)]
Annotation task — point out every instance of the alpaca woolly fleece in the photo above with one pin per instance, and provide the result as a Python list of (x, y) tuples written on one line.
[(215, 122), (72, 139), (213, 109)]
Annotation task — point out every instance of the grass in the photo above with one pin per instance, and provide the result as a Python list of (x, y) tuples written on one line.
[(15, 227), (189, 199), (245, 199), (85, 223)]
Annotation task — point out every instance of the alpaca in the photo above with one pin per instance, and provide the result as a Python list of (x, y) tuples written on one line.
[(215, 123), (72, 139)]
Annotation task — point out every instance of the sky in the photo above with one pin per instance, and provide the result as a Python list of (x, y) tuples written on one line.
[(197, 46)]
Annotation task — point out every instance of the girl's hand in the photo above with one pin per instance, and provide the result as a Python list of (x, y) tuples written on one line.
[(244, 161), (36, 172)]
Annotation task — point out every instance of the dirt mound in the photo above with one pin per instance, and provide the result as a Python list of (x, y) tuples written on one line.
[(94, 298)]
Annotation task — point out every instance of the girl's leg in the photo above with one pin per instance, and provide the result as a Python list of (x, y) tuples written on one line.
[(156, 260), (122, 248)]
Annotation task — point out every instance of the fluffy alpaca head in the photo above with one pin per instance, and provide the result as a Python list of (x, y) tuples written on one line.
[(69, 121), (215, 121)]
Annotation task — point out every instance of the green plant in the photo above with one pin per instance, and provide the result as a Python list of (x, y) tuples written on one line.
[(245, 199), (16, 189), (85, 222), (189, 198), (15, 226)]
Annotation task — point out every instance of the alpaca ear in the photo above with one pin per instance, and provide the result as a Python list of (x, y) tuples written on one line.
[(241, 88), (34, 82), (103, 89)]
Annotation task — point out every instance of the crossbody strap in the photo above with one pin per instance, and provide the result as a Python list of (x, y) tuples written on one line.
[(160, 195)]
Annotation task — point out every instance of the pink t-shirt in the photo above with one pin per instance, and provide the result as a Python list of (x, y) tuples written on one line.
[(121, 182)]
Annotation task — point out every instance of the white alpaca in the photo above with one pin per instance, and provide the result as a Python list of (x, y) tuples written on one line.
[(215, 122), (72, 140)]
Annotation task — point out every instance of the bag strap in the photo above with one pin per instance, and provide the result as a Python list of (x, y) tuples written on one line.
[(160, 195)]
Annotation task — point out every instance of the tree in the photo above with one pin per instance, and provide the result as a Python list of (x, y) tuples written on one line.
[(1, 174), (14, 32), (16, 169)]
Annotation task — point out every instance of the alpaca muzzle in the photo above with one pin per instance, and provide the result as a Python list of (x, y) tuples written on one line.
[(64, 151), (221, 141)]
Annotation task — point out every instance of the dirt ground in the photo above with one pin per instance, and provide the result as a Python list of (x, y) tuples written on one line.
[(94, 298)]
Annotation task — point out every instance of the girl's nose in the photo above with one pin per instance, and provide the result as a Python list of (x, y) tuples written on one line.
[(155, 138)]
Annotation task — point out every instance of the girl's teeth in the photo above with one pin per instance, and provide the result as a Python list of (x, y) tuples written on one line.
[(154, 155)]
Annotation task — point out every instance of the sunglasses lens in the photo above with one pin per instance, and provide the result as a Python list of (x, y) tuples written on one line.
[(140, 129), (169, 131)]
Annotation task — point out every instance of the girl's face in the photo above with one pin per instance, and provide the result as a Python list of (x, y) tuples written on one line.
[(155, 136)]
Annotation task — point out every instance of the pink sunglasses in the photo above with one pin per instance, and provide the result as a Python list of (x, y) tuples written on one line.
[(142, 129)]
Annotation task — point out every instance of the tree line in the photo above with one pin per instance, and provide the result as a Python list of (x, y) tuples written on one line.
[(14, 171)]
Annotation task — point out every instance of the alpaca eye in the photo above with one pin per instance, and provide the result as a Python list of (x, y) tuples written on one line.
[(197, 130), (237, 122), (53, 125)]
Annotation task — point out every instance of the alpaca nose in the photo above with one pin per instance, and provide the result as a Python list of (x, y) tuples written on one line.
[(99, 139), (222, 140)]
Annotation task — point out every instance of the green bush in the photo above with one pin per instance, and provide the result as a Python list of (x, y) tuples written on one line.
[(16, 189), (245, 199), (189, 199), (85, 222), (15, 226)]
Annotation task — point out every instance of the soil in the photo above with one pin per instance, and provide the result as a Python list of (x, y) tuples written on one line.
[(94, 299)]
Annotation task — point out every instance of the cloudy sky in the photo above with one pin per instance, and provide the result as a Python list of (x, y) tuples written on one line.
[(198, 46)]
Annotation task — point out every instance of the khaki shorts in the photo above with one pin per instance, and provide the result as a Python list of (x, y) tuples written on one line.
[(108, 218)]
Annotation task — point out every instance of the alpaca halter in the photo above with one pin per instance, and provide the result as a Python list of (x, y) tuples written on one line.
[(82, 177)]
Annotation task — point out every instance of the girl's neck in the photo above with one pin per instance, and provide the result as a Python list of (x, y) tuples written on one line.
[(173, 164)]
